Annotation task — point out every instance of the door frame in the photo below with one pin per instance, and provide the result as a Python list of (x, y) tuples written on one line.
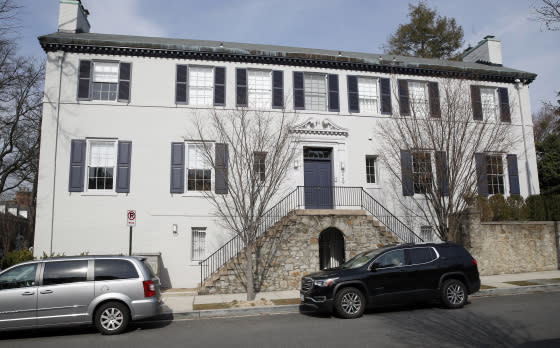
[(319, 192)]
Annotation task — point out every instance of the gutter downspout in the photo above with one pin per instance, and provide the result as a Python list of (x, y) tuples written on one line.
[(61, 61), (518, 86)]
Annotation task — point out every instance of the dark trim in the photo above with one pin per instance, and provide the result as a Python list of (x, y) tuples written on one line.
[(293, 61)]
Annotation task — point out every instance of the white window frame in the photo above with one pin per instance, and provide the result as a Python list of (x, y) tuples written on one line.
[(504, 174), (251, 105), (115, 165), (430, 165), (490, 113), (377, 97), (204, 233), (190, 87), (424, 110), (306, 91), (376, 172), (92, 83), (187, 165), (427, 229)]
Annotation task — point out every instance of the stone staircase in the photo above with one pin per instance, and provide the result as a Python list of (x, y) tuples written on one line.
[(290, 249)]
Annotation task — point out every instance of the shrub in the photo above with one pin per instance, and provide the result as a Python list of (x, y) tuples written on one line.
[(51, 255), (500, 211), (517, 208), (536, 208), (552, 204), (16, 256), (484, 207)]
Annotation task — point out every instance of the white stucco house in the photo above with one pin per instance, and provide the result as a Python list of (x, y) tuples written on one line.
[(118, 109)]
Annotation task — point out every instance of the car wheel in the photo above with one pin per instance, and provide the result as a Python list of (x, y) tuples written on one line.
[(454, 293), (349, 303), (112, 318)]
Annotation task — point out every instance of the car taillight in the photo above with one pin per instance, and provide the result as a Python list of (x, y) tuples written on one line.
[(149, 288), (474, 262)]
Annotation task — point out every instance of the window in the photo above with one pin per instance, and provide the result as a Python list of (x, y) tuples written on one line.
[(426, 233), (418, 100), (495, 174), (201, 85), (114, 269), (370, 169), (421, 172), (315, 86), (199, 174), (393, 258), (367, 90), (19, 277), (105, 80), (260, 165), (421, 255), (488, 101), (198, 243), (260, 89), (101, 164), (63, 272)]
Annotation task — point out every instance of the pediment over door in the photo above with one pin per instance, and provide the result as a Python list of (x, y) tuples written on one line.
[(325, 127)]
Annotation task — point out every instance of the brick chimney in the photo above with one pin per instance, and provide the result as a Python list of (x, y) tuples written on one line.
[(487, 51), (72, 17)]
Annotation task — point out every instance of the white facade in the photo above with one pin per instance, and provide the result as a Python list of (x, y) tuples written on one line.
[(94, 221)]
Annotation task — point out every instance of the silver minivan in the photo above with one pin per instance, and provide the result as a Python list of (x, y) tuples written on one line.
[(108, 291)]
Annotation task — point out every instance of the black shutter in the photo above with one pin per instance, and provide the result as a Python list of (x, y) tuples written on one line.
[(277, 89), (299, 92), (241, 82), (503, 97), (219, 86), (123, 166), (177, 167), (513, 175), (77, 165), (221, 169), (406, 171), (404, 103), (124, 82), (353, 96), (181, 86), (433, 95), (476, 103), (386, 107), (84, 78), (441, 172), (334, 104), (481, 178)]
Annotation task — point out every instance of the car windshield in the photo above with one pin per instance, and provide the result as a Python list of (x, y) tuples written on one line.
[(361, 259)]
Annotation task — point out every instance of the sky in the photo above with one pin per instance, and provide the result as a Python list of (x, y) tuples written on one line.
[(344, 25)]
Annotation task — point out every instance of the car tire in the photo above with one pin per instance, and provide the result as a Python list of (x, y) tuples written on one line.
[(112, 318), (349, 303), (454, 293)]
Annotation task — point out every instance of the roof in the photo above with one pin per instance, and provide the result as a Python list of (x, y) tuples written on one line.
[(269, 54)]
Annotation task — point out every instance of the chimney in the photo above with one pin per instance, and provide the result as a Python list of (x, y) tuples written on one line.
[(487, 51), (72, 17)]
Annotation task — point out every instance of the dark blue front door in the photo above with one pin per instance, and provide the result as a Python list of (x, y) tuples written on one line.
[(318, 179)]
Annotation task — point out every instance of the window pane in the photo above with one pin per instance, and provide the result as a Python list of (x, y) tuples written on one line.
[(370, 169), (198, 243), (495, 174), (114, 269), (106, 72), (315, 92), (391, 259), (201, 85), (367, 90), (65, 272), (418, 100), (260, 89), (488, 99), (19, 277), (199, 178), (422, 172), (102, 154), (420, 255)]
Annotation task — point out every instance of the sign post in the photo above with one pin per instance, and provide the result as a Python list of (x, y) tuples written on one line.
[(130, 222)]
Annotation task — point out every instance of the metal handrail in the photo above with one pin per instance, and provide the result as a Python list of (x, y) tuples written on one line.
[(337, 196)]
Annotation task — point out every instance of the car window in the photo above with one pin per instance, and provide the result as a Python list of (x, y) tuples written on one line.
[(393, 258), (19, 277), (361, 259), (62, 272), (114, 269), (421, 255), (149, 268)]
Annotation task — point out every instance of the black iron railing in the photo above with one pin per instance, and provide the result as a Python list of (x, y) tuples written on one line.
[(312, 197)]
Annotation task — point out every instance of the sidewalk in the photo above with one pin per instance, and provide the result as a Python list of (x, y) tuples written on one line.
[(187, 303)]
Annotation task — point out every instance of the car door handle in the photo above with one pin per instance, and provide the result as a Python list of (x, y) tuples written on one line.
[(402, 270), (44, 292), (28, 293)]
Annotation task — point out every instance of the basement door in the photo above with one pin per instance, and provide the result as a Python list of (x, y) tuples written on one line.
[(317, 167)]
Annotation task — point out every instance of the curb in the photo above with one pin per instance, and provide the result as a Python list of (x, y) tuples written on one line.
[(237, 312)]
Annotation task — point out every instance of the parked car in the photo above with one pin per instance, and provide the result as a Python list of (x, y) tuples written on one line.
[(391, 275), (108, 291)]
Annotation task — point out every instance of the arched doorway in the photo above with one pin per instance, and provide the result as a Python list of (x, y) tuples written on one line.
[(331, 248)]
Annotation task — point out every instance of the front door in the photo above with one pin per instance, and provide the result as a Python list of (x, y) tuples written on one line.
[(318, 178)]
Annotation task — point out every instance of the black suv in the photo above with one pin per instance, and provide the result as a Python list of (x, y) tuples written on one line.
[(393, 274)]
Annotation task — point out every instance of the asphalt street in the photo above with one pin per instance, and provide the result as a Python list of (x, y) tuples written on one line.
[(530, 320)]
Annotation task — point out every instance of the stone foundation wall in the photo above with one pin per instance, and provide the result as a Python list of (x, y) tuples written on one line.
[(290, 249), (510, 246)]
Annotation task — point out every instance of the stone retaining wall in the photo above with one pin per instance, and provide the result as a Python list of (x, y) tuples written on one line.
[(510, 246), (290, 249)]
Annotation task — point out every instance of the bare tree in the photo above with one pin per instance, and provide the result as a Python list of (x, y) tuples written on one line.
[(260, 150), (445, 138), (548, 13), (546, 121)]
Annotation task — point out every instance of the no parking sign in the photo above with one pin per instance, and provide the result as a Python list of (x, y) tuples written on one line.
[(131, 218)]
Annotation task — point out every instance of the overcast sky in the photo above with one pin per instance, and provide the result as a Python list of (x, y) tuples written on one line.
[(346, 25)]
